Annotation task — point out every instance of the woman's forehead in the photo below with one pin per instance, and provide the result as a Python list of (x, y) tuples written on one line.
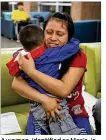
[(56, 23)]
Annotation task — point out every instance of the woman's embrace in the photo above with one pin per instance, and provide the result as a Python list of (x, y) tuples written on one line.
[(58, 31)]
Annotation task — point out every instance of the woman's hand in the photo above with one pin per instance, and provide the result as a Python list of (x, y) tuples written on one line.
[(26, 63), (52, 107)]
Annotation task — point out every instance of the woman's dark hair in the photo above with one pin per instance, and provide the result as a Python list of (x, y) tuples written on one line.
[(63, 17)]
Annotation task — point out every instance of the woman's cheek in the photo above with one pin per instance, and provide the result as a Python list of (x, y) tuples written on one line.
[(64, 40)]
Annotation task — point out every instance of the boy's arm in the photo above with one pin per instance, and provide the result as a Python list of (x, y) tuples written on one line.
[(49, 104)]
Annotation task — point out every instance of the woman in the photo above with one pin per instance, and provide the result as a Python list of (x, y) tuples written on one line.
[(58, 30)]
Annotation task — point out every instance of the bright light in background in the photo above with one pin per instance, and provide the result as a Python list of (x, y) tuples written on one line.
[(55, 4), (13, 3)]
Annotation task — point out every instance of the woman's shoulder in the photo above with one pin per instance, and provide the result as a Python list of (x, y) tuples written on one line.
[(81, 55), (80, 60)]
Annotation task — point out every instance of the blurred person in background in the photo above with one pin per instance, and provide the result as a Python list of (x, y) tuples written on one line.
[(97, 116), (20, 18)]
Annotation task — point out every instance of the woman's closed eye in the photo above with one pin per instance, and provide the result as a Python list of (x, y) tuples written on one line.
[(49, 32), (60, 34)]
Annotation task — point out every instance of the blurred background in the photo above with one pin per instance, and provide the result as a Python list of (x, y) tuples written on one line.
[(78, 10)]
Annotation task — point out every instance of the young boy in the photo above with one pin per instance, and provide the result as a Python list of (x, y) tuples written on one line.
[(48, 62)]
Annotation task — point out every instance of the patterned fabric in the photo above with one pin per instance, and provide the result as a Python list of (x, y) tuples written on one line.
[(82, 123), (33, 128)]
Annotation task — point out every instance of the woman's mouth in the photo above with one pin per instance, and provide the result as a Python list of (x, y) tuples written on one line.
[(52, 45)]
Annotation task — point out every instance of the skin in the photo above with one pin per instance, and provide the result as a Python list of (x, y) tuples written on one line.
[(55, 34)]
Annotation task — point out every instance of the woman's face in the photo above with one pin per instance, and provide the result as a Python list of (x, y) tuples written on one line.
[(55, 34)]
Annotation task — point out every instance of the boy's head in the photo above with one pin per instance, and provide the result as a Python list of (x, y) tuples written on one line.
[(31, 37)]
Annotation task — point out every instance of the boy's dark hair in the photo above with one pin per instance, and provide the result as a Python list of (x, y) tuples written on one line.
[(63, 17), (20, 3), (31, 36)]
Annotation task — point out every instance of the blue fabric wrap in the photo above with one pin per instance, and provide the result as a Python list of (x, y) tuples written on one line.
[(83, 123), (49, 62)]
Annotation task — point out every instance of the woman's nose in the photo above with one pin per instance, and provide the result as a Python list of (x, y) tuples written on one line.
[(53, 37)]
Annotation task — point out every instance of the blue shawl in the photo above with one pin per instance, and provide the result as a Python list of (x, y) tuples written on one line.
[(50, 61)]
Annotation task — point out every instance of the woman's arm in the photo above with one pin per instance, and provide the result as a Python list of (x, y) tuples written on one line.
[(49, 104), (23, 89), (56, 87)]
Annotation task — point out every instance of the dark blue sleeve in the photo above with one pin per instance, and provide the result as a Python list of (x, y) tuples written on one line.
[(24, 75)]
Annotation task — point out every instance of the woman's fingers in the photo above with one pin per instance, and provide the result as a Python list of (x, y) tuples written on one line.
[(58, 100), (20, 59), (58, 113), (59, 107), (48, 115), (26, 63), (53, 116), (23, 58), (20, 68), (29, 56)]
